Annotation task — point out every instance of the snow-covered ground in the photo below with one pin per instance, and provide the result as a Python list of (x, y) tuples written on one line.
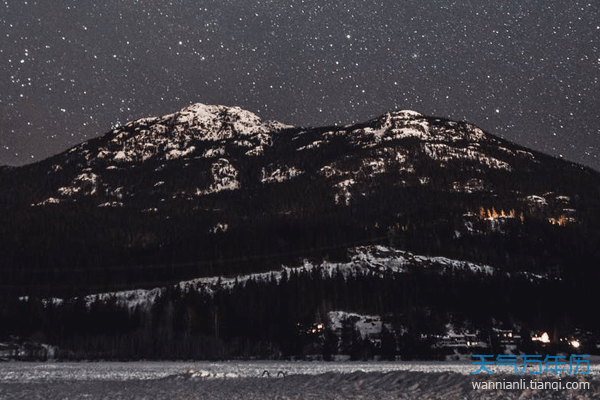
[(248, 380), (148, 370), (143, 370)]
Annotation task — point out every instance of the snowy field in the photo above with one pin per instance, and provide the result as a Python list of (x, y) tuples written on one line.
[(270, 380)]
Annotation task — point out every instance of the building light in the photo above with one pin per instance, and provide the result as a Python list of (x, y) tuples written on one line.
[(544, 338)]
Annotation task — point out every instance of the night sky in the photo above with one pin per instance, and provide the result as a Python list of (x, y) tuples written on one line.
[(526, 70)]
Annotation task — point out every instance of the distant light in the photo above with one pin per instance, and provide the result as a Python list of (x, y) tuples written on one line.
[(575, 344), (320, 326), (544, 338)]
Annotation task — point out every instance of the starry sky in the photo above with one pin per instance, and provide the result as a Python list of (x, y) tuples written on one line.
[(526, 70)]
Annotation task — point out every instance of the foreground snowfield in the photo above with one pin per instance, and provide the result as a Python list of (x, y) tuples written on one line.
[(248, 380)]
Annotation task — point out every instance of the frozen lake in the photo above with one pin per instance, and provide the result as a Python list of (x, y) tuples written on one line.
[(248, 380)]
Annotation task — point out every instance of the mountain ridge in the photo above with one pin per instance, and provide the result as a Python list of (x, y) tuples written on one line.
[(149, 190), (173, 137)]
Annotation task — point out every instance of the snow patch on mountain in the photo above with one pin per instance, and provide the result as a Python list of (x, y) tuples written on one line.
[(382, 258), (343, 194), (120, 156), (279, 174), (131, 298), (220, 227), (314, 145), (373, 166), (256, 151), (86, 183), (329, 170), (176, 153), (224, 176), (49, 200), (214, 152), (470, 186), (445, 154), (111, 204)]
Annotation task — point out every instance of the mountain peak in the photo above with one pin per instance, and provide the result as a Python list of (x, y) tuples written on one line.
[(405, 114), (217, 122), (408, 124), (181, 133), (209, 122)]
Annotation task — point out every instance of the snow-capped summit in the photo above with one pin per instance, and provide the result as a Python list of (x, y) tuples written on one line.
[(407, 113), (405, 124), (182, 133), (217, 122)]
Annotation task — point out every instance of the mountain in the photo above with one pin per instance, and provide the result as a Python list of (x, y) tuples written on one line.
[(214, 191), (211, 184)]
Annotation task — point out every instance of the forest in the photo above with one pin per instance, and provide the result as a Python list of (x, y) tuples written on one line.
[(267, 319)]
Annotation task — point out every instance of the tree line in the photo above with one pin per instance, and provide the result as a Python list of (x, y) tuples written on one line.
[(266, 318)]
